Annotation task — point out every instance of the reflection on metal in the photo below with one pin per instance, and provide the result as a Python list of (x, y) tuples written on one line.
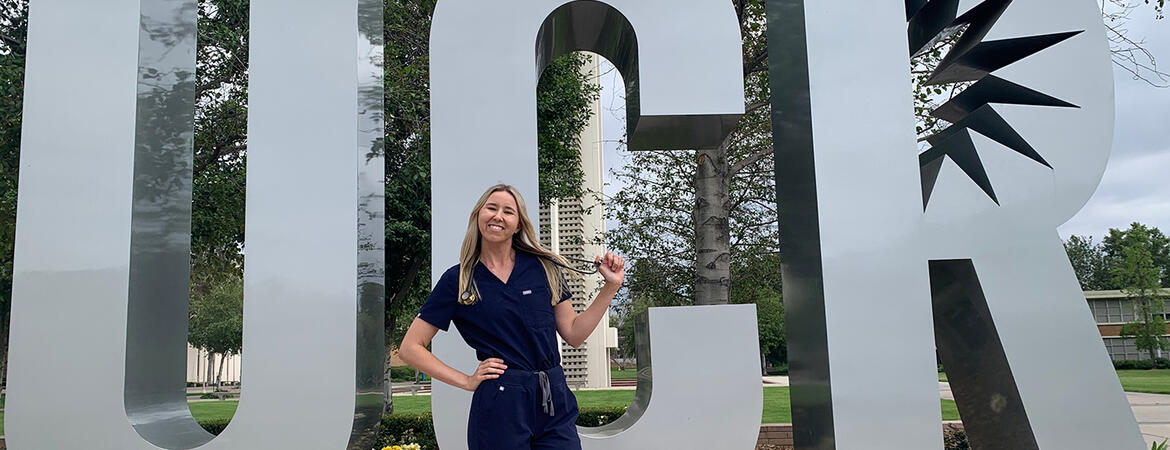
[(796, 193), (160, 228), (371, 225), (683, 70), (972, 353), (725, 418), (598, 27), (972, 59), (858, 298), (101, 263)]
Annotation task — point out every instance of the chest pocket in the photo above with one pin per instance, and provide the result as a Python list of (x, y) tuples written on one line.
[(536, 307)]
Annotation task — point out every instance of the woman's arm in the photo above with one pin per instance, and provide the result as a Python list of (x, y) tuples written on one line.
[(413, 351), (574, 328)]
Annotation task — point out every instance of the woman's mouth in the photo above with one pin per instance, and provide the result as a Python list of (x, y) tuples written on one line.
[(495, 227)]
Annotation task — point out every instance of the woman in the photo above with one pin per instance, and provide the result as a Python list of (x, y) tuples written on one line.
[(507, 296)]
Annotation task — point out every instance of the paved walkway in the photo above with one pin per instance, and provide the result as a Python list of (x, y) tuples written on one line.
[(1151, 410)]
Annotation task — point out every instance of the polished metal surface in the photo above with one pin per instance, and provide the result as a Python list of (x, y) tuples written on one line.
[(371, 225), (671, 408), (99, 291), (681, 62), (811, 399), (860, 304), (160, 228)]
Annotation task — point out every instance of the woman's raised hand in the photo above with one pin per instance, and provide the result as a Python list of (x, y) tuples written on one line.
[(612, 268), (488, 369)]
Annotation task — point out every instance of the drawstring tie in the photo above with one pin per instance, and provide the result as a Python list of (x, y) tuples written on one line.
[(545, 392)]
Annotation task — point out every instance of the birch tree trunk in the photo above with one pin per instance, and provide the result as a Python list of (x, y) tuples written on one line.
[(712, 233)]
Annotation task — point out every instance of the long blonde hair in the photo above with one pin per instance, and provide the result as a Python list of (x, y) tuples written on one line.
[(524, 240)]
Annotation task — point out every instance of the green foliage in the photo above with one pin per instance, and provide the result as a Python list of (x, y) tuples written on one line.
[(402, 373), (1142, 364), (564, 97), (758, 282), (1089, 262), (408, 160), (217, 318), (1096, 264), (220, 145), (1138, 278), (399, 429), (596, 417), (1150, 239), (215, 426)]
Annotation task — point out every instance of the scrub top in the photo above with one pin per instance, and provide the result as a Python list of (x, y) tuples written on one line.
[(512, 321)]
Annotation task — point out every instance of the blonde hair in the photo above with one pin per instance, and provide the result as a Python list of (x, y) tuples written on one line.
[(524, 240)]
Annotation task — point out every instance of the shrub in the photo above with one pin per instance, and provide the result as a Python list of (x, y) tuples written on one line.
[(214, 426), (1143, 364), (401, 429), (955, 439), (402, 373), (595, 417)]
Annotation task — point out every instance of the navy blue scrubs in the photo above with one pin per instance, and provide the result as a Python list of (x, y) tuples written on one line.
[(529, 406)]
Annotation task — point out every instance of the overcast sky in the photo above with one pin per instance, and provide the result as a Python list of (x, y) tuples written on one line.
[(1136, 186)]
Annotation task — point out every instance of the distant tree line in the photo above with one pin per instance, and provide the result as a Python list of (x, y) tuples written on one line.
[(1097, 263)]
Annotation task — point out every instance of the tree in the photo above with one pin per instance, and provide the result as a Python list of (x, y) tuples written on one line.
[(693, 211), (757, 283), (1088, 261), (1138, 235), (217, 321), (1138, 277), (1129, 53)]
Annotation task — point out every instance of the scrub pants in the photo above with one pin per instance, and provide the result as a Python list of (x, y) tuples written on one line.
[(523, 410)]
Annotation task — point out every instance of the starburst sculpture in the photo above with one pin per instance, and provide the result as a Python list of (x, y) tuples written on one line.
[(971, 61)]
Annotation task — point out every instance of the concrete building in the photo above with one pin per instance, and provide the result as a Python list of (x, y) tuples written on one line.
[(197, 362), (1111, 310), (570, 228)]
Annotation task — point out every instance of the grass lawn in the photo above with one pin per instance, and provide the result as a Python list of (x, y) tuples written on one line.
[(1155, 381), (776, 401), (942, 376), (629, 373), (213, 410)]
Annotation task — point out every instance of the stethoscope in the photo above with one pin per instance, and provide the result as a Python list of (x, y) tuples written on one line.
[(471, 294)]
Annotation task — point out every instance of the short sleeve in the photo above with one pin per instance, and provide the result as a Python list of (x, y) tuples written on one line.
[(566, 292), (439, 308)]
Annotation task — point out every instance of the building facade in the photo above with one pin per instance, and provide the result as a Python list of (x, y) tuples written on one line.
[(1112, 310), (197, 367)]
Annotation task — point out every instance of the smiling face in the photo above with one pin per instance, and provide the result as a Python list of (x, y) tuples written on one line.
[(499, 218)]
